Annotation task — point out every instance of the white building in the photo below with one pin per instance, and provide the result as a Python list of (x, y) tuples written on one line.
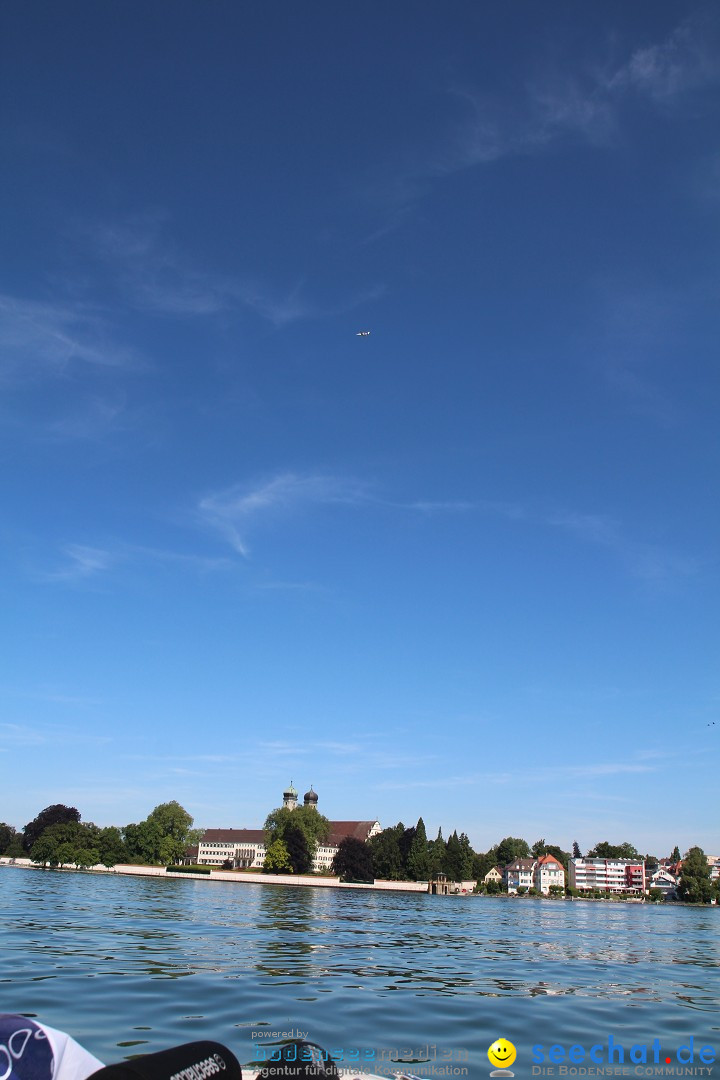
[(519, 874), (246, 848), (607, 875), (548, 871), (664, 881)]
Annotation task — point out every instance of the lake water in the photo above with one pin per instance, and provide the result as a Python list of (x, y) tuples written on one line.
[(129, 965)]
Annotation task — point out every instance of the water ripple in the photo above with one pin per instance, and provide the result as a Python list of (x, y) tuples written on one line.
[(108, 957)]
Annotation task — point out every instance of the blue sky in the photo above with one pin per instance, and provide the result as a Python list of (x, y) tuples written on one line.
[(464, 567)]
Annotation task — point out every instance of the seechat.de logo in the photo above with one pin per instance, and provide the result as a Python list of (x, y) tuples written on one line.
[(501, 1054)]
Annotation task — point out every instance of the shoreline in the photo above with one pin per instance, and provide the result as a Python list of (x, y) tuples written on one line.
[(231, 876), (299, 881)]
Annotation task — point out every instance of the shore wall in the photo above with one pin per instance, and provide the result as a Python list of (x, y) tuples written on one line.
[(249, 879)]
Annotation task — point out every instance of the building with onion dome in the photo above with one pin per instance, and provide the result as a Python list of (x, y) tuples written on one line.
[(246, 848)]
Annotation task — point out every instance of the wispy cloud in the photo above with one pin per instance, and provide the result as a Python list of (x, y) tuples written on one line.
[(665, 71), (604, 768), (552, 106), (81, 563), (98, 417), (154, 275), (190, 560), (49, 338), (644, 560), (234, 510), (52, 696), (22, 735), (538, 773), (639, 327)]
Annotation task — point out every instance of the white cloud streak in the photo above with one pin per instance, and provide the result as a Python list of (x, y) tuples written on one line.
[(232, 511), (236, 511), (587, 104), (43, 338), (668, 70), (82, 563), (156, 277)]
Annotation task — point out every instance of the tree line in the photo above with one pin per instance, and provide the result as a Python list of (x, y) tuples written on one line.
[(58, 837)]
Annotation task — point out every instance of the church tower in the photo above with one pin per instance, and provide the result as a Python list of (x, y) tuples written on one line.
[(310, 798), (290, 796)]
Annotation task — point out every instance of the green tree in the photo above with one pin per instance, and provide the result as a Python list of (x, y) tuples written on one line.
[(87, 857), (577, 853), (69, 837), (676, 856), (175, 824), (483, 863), (405, 842), (511, 848), (453, 856), (467, 855), (57, 814), (436, 855), (277, 859), (15, 849), (65, 852), (7, 836), (604, 850), (695, 885), (418, 860), (385, 848), (111, 848), (314, 827), (143, 842), (298, 849), (458, 857), (162, 838), (354, 860), (540, 848), (45, 851)]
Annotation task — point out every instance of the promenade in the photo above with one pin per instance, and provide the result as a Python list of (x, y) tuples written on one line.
[(239, 877)]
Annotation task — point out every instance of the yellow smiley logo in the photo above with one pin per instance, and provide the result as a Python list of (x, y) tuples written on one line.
[(502, 1053)]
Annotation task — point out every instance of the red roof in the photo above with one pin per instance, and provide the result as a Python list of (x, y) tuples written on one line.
[(549, 859), (229, 836), (339, 830)]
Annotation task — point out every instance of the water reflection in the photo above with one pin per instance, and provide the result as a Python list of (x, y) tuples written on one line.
[(190, 959), (287, 923)]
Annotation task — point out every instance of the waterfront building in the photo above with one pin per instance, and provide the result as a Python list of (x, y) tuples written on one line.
[(519, 874), (246, 848), (529, 873), (548, 871), (665, 881), (607, 875), (495, 875)]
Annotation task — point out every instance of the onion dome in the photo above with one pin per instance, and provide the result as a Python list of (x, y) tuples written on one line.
[(310, 797)]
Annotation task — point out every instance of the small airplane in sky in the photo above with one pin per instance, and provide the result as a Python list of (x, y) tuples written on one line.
[(363, 333)]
